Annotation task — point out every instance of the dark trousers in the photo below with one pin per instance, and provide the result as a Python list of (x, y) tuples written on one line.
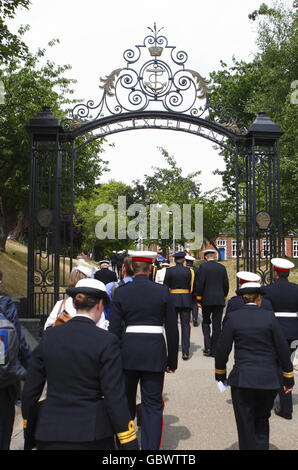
[(286, 401), (252, 408), (195, 311), (7, 414), (212, 315), (103, 444), (152, 404), (185, 329)]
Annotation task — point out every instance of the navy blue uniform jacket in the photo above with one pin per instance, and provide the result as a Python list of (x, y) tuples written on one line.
[(81, 363), (105, 275), (144, 302), (179, 277), (260, 348), (283, 296), (213, 284)]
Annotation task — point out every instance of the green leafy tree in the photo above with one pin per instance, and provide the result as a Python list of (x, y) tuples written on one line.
[(28, 87), (105, 196), (11, 45), (266, 84), (218, 216), (168, 187)]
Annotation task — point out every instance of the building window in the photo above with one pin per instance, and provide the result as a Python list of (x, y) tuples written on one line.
[(221, 243), (295, 248), (234, 249), (265, 248)]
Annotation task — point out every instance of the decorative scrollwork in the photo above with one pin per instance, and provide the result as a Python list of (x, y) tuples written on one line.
[(203, 84), (154, 81), (109, 82)]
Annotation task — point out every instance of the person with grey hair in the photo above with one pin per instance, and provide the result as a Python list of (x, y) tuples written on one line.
[(104, 274)]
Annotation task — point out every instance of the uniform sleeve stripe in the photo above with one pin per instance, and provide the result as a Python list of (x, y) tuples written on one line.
[(220, 371), (127, 436), (288, 375)]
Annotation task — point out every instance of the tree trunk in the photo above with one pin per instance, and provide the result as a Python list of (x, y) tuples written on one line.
[(212, 242), (8, 221)]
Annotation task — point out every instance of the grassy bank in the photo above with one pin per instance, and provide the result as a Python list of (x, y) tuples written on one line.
[(13, 264)]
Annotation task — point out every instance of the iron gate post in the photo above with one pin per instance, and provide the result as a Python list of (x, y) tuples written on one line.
[(264, 194), (44, 212)]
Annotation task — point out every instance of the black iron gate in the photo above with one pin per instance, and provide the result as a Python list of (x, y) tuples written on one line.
[(152, 94)]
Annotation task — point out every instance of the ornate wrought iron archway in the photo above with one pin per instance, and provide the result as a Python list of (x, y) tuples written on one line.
[(159, 92)]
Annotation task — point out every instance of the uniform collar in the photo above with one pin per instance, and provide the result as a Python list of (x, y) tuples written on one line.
[(79, 317), (140, 277), (282, 279)]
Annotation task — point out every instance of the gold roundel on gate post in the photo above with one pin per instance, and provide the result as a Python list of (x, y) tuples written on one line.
[(263, 220), (44, 217)]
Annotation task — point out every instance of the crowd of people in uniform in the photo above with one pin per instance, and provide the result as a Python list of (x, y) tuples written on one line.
[(116, 335)]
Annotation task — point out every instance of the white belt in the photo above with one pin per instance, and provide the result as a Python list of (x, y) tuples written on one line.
[(144, 329), (286, 314)]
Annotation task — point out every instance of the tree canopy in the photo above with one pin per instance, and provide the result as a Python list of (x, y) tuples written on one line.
[(267, 83), (11, 45)]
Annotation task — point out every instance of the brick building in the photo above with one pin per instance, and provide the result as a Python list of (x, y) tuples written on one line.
[(228, 247)]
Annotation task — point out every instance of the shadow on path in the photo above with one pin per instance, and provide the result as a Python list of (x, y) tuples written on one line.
[(173, 434)]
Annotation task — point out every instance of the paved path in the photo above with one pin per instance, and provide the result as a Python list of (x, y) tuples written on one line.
[(197, 416)]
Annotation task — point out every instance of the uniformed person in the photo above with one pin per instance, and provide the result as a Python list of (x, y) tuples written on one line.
[(212, 290), (195, 311), (283, 296), (160, 274), (86, 401), (113, 261), (145, 307), (104, 274), (181, 282), (236, 301), (259, 349)]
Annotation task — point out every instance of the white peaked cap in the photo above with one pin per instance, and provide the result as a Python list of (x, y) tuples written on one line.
[(250, 288), (246, 276), (90, 287), (91, 283), (251, 285), (189, 258), (146, 256), (281, 264)]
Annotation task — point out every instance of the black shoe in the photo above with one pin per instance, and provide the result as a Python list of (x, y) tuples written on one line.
[(278, 412), (195, 323), (207, 352), (185, 357)]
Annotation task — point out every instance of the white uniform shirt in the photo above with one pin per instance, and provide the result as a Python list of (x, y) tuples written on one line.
[(160, 275), (69, 308)]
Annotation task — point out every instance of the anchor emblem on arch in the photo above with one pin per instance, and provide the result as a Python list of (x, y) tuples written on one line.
[(156, 71)]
